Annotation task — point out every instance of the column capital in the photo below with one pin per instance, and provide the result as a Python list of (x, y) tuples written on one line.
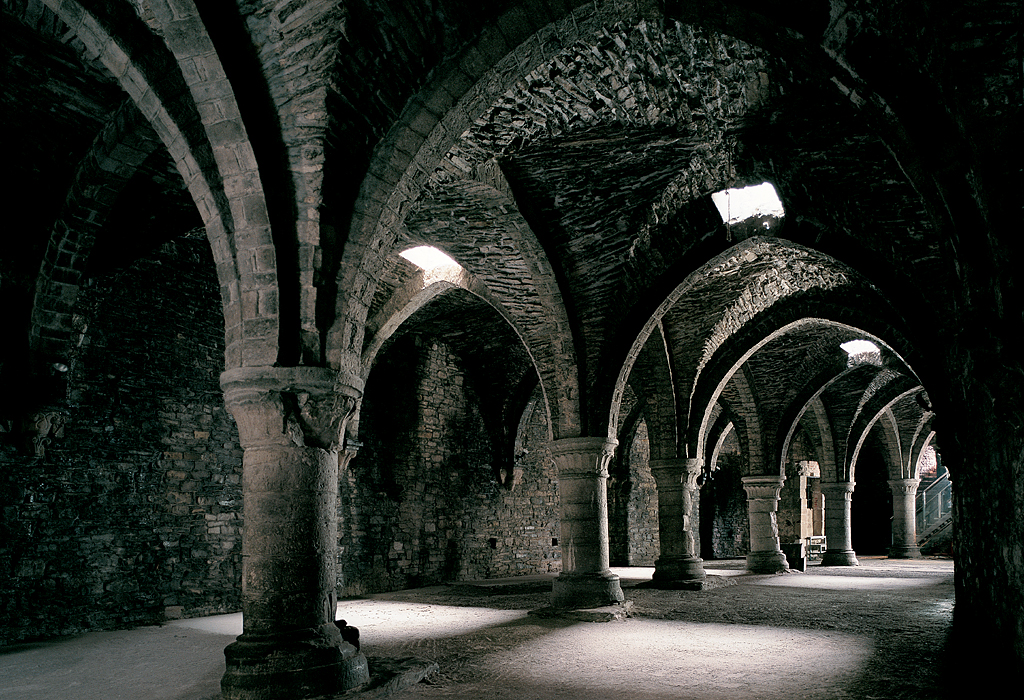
[(304, 406), (835, 489), (808, 468), (904, 486), (682, 471), (582, 457), (763, 487)]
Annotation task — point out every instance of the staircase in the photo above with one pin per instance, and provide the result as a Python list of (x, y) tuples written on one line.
[(935, 514)]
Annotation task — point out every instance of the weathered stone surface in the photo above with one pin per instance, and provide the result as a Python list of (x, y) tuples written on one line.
[(136, 512), (566, 151)]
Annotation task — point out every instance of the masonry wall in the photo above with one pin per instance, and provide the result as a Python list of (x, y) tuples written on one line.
[(134, 513), (642, 508), (420, 504), (724, 522)]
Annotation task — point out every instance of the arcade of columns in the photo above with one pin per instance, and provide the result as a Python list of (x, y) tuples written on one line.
[(292, 423)]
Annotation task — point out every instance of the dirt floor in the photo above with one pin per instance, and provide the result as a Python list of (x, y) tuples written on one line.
[(873, 632)]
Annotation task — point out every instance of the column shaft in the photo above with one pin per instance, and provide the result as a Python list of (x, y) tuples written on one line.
[(582, 467), (766, 555), (904, 519), (838, 530), (678, 561), (290, 422)]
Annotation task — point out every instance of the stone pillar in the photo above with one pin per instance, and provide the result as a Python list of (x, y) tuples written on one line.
[(582, 468), (679, 561), (766, 555), (904, 519), (838, 543), (291, 421)]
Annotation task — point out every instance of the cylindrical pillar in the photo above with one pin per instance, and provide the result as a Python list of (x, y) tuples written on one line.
[(678, 561), (766, 556), (582, 468), (904, 519), (290, 423), (838, 540)]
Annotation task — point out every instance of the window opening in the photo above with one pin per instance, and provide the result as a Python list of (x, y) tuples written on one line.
[(862, 351), (428, 257), (742, 203)]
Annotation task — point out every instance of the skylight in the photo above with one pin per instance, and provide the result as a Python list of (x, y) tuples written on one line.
[(862, 352), (427, 257), (743, 203), (859, 347)]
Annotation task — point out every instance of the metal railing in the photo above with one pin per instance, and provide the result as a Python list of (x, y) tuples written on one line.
[(934, 507)]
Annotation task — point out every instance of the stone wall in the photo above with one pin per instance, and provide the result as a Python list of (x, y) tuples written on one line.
[(724, 523), (421, 504), (134, 512), (642, 511)]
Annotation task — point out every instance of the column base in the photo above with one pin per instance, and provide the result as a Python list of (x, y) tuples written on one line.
[(839, 557), (905, 552), (581, 591), (308, 664), (767, 562), (671, 570)]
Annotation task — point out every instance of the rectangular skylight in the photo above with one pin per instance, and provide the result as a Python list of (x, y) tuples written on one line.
[(738, 204)]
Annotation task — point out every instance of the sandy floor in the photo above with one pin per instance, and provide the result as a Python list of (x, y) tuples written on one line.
[(869, 632)]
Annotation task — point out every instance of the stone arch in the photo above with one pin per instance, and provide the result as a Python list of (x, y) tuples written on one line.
[(219, 170), (463, 85), (831, 372), (924, 438), (424, 172), (853, 401), (501, 252), (740, 397), (423, 288), (888, 432), (116, 153), (740, 298), (295, 50), (886, 406), (721, 428), (435, 124), (651, 377), (841, 307), (821, 425)]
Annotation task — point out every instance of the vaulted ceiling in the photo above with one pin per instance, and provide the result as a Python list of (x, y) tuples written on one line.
[(563, 155)]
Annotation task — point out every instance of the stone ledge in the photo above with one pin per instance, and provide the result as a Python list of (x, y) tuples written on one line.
[(540, 583), (607, 613), (701, 584)]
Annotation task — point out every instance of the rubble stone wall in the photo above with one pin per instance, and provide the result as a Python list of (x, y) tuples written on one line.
[(421, 504), (134, 512)]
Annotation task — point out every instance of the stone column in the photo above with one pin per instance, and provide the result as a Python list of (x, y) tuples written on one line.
[(838, 543), (904, 519), (291, 421), (766, 555), (679, 563), (582, 468)]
